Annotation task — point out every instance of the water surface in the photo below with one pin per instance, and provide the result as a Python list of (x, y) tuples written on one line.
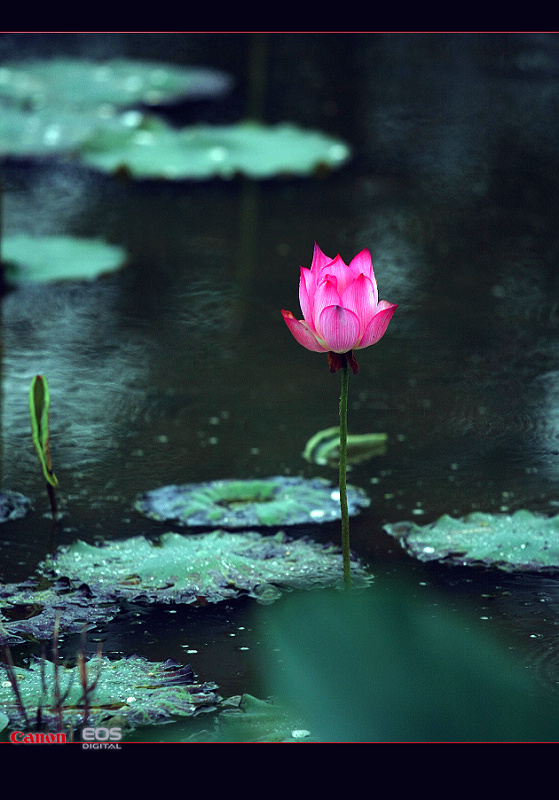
[(181, 368)]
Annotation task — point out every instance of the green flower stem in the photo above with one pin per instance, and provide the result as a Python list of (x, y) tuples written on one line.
[(343, 466)]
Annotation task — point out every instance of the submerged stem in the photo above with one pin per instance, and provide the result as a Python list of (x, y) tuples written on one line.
[(343, 468)]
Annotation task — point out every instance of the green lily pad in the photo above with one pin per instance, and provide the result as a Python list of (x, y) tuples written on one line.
[(521, 541), (56, 132), (13, 505), (200, 568), (41, 259), (154, 150), (266, 502), (65, 83), (248, 719), (44, 132), (131, 692), (30, 611), (50, 107)]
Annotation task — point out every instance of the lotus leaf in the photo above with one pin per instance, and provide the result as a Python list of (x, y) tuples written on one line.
[(250, 503), (65, 83), (40, 259), (130, 691), (156, 150), (201, 568), (31, 611), (13, 505), (53, 131), (45, 132), (248, 719), (520, 541)]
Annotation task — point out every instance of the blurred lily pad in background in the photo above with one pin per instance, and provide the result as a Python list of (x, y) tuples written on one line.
[(200, 568), (131, 691), (521, 541), (91, 110), (67, 83), (52, 106), (40, 259), (146, 147), (46, 132), (261, 502), (387, 665), (155, 150)]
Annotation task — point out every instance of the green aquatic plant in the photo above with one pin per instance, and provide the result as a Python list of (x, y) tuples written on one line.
[(245, 718), (94, 112), (265, 502), (155, 150), (39, 403), (199, 568), (84, 84), (145, 147), (30, 609), (522, 541), (50, 107), (45, 132), (324, 447), (51, 259), (130, 692)]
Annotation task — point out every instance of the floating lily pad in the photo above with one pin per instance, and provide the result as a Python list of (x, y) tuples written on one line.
[(201, 568), (245, 718), (521, 541), (324, 447), (250, 503), (13, 505), (80, 83), (54, 131), (155, 150), (42, 133), (28, 610), (132, 690), (41, 259)]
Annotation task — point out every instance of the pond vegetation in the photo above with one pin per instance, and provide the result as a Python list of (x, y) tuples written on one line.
[(187, 583)]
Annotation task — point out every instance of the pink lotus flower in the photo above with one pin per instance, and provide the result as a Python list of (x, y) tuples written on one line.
[(340, 307)]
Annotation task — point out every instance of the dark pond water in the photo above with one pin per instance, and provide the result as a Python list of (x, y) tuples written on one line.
[(180, 368)]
